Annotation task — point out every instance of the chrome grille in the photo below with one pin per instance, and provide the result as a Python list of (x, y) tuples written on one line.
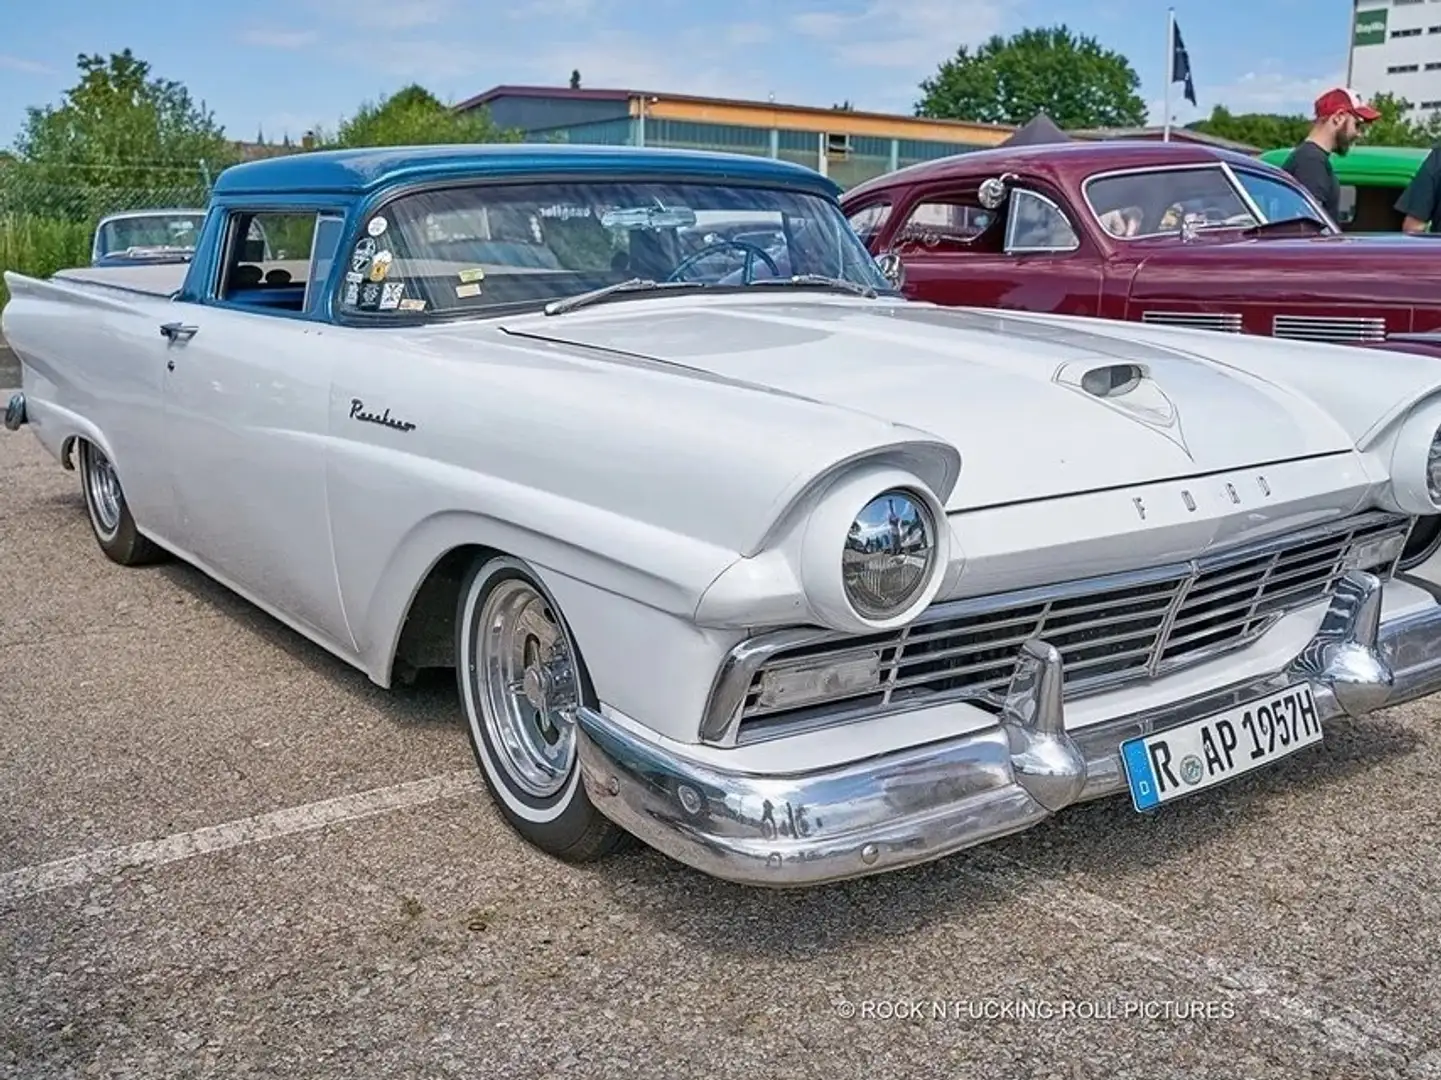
[(1226, 321), (1336, 328), (1109, 630)]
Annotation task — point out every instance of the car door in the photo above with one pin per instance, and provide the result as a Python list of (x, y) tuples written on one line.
[(1027, 254), (246, 414)]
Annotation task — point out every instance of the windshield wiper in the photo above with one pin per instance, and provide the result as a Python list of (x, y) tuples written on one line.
[(842, 284), (570, 303)]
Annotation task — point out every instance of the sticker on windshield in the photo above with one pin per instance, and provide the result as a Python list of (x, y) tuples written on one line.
[(377, 226), (390, 295), (462, 291), (360, 258), (472, 273), (410, 304), (380, 265), (369, 295), (352, 294)]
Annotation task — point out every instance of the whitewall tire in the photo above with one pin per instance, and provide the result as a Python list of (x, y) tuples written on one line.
[(521, 679)]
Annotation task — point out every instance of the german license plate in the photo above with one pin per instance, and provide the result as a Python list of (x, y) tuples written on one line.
[(1190, 758)]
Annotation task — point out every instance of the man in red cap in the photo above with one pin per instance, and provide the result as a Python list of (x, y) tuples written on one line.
[(1339, 116)]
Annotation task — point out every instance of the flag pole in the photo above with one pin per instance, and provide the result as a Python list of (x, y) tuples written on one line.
[(1170, 68)]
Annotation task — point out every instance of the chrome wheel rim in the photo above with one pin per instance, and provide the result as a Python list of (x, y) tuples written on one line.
[(530, 692), (103, 486)]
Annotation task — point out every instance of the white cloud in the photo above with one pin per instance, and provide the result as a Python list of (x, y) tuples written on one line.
[(275, 38), (1254, 92), (905, 34), (384, 14), (29, 67), (747, 33), (566, 10)]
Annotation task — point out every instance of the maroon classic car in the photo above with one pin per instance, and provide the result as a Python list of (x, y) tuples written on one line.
[(1174, 233)]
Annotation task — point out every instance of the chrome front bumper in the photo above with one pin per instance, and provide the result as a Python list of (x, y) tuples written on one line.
[(925, 802)]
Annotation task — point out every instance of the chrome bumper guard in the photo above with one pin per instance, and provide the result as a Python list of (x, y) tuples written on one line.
[(925, 802)]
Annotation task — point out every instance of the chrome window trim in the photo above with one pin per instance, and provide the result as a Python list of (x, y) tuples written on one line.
[(1141, 170), (1246, 197), (1305, 194), (1012, 249), (721, 721)]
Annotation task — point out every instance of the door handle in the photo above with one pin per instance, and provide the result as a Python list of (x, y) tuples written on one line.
[(178, 331)]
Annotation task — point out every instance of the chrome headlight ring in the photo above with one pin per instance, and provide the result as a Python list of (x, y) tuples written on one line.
[(889, 554), (875, 551)]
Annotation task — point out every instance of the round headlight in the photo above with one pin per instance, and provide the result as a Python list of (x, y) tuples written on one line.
[(888, 555)]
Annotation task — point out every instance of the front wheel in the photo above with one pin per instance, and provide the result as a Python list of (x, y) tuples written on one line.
[(110, 518), (521, 681)]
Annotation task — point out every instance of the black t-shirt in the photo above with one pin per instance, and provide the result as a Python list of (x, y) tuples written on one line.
[(1423, 193), (1311, 166)]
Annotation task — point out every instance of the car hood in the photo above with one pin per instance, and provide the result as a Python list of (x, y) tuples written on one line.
[(1005, 391)]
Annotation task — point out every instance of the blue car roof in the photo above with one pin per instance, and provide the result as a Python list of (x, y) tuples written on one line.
[(361, 171)]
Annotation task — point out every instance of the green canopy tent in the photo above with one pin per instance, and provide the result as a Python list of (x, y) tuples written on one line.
[(1371, 178)]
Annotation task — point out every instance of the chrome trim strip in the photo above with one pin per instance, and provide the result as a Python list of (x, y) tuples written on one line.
[(721, 722), (1343, 328), (1251, 203), (1226, 322), (919, 803), (1013, 249)]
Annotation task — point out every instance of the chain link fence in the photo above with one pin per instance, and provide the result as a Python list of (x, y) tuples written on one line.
[(48, 213)]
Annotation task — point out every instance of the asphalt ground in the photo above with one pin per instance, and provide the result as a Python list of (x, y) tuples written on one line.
[(225, 854), (9, 368)]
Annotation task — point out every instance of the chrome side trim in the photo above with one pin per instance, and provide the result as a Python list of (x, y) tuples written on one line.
[(721, 721)]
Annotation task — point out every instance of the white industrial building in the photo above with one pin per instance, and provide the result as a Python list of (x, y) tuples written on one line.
[(1396, 48)]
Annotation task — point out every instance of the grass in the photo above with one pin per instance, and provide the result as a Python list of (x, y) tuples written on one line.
[(40, 246)]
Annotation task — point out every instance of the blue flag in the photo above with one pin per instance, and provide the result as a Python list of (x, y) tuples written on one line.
[(1181, 64)]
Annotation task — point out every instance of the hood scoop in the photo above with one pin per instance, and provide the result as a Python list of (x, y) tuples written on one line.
[(1113, 380), (1130, 390)]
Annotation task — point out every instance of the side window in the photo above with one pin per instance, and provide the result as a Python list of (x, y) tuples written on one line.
[(1038, 224), (328, 230), (949, 221), (869, 220), (267, 259), (1278, 201)]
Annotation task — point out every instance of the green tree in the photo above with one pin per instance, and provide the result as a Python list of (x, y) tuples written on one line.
[(1009, 80), (413, 116), (1394, 128), (119, 139), (1265, 131)]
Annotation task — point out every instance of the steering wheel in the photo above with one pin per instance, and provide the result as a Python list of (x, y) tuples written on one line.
[(751, 252)]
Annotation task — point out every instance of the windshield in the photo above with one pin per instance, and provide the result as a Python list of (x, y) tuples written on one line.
[(1152, 202), (476, 250), (150, 232)]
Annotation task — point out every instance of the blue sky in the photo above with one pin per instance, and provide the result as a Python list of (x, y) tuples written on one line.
[(290, 64)]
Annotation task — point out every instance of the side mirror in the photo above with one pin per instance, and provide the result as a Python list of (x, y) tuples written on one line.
[(892, 269)]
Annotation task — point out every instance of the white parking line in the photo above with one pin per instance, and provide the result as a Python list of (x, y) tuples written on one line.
[(108, 862), (1340, 1027)]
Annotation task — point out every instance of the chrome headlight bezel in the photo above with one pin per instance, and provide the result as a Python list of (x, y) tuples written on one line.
[(822, 563)]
